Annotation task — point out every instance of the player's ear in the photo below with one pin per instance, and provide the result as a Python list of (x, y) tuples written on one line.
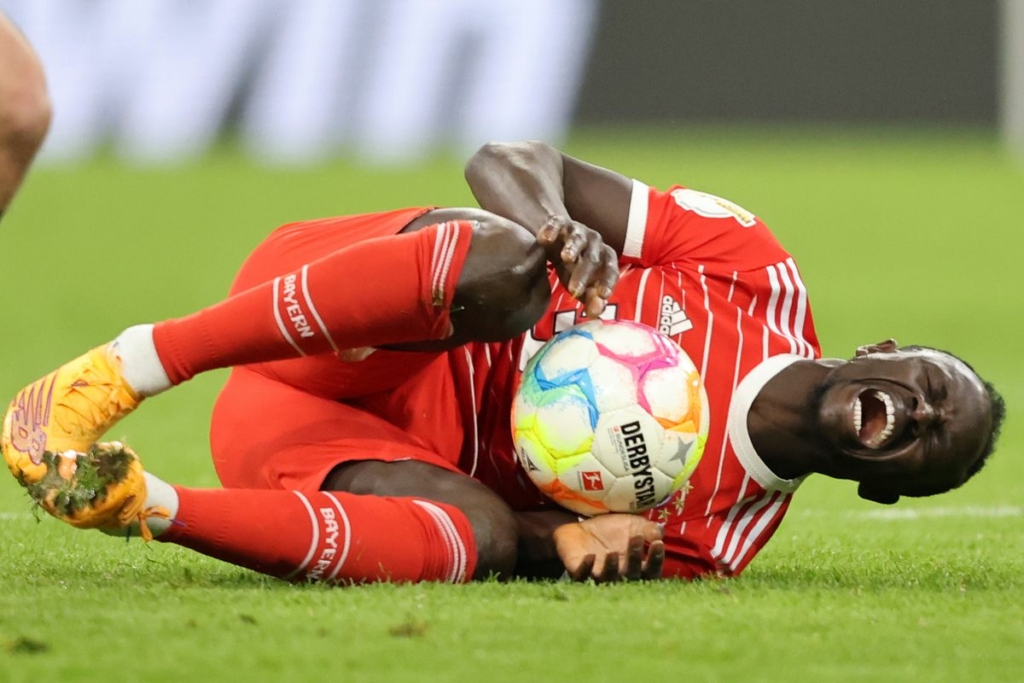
[(877, 495), (887, 346)]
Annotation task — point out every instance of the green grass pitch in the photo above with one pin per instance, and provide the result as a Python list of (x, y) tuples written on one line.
[(913, 235)]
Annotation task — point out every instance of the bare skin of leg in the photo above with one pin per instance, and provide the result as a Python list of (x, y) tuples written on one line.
[(25, 111), (494, 523)]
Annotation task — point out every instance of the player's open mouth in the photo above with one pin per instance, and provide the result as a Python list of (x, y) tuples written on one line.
[(874, 418)]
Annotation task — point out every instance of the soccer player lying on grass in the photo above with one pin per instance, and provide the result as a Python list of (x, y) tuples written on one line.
[(364, 431), (24, 109)]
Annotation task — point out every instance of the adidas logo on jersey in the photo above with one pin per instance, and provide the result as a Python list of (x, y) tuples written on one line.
[(673, 318)]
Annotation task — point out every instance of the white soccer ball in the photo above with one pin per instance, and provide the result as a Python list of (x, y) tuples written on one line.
[(610, 417)]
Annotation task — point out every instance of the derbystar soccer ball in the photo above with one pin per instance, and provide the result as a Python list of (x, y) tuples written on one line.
[(610, 417)]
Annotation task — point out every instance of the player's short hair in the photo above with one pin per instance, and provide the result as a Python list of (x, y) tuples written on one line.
[(998, 414)]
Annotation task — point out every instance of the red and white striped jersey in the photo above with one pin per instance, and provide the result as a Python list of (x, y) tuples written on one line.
[(709, 274)]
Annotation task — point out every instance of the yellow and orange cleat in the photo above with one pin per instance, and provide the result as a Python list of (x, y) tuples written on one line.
[(67, 410), (103, 488)]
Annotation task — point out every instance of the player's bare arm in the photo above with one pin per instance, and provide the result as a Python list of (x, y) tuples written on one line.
[(564, 201), (532, 183), (24, 109)]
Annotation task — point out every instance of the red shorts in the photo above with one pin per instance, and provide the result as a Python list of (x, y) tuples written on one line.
[(287, 424)]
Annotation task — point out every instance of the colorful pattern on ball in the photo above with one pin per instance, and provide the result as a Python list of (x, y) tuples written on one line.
[(610, 417)]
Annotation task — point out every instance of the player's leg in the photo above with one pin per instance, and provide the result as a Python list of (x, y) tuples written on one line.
[(413, 517), (415, 522), (382, 291), (401, 492), (331, 536)]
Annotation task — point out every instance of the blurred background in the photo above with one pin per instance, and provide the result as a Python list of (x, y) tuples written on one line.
[(876, 138), (388, 81)]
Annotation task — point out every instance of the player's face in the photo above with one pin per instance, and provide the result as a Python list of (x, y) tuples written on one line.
[(913, 421)]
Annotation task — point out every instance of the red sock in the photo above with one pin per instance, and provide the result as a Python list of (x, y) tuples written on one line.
[(327, 535), (382, 291)]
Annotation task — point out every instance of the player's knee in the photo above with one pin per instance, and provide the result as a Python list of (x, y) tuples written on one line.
[(503, 288)]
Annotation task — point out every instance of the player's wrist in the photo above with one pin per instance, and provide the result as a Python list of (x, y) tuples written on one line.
[(537, 551)]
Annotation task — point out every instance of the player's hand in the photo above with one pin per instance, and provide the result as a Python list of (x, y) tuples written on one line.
[(587, 267), (613, 547)]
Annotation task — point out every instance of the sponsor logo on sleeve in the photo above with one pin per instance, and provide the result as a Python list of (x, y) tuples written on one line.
[(711, 206)]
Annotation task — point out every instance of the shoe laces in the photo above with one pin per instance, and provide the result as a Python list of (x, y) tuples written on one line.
[(157, 511)]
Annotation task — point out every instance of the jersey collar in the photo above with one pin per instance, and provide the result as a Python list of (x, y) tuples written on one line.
[(742, 400)]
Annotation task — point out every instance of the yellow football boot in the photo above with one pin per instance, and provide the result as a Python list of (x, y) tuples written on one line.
[(68, 410), (103, 488)]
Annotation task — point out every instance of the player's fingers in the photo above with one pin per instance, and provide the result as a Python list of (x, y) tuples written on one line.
[(634, 569), (574, 239), (593, 303), (603, 282), (584, 270), (583, 570), (552, 229), (609, 570), (655, 560), (608, 272)]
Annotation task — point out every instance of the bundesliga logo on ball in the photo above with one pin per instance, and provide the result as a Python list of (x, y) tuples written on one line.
[(610, 417)]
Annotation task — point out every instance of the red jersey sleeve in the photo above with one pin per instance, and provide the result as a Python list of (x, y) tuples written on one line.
[(686, 558), (690, 227)]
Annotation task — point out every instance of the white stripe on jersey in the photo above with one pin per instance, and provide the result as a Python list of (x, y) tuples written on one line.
[(636, 224), (801, 308), (348, 536), (785, 279), (723, 531), (787, 308), (710, 323), (280, 323), (742, 523), (316, 535), (476, 413), (771, 318), (767, 518), (769, 314), (732, 286), (725, 439)]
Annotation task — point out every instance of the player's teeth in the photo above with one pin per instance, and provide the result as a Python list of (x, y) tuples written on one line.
[(890, 419), (857, 416)]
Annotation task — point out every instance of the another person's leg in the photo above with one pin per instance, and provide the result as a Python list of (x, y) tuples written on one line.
[(25, 110)]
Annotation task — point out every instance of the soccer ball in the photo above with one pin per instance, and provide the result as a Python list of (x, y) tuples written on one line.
[(610, 417)]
